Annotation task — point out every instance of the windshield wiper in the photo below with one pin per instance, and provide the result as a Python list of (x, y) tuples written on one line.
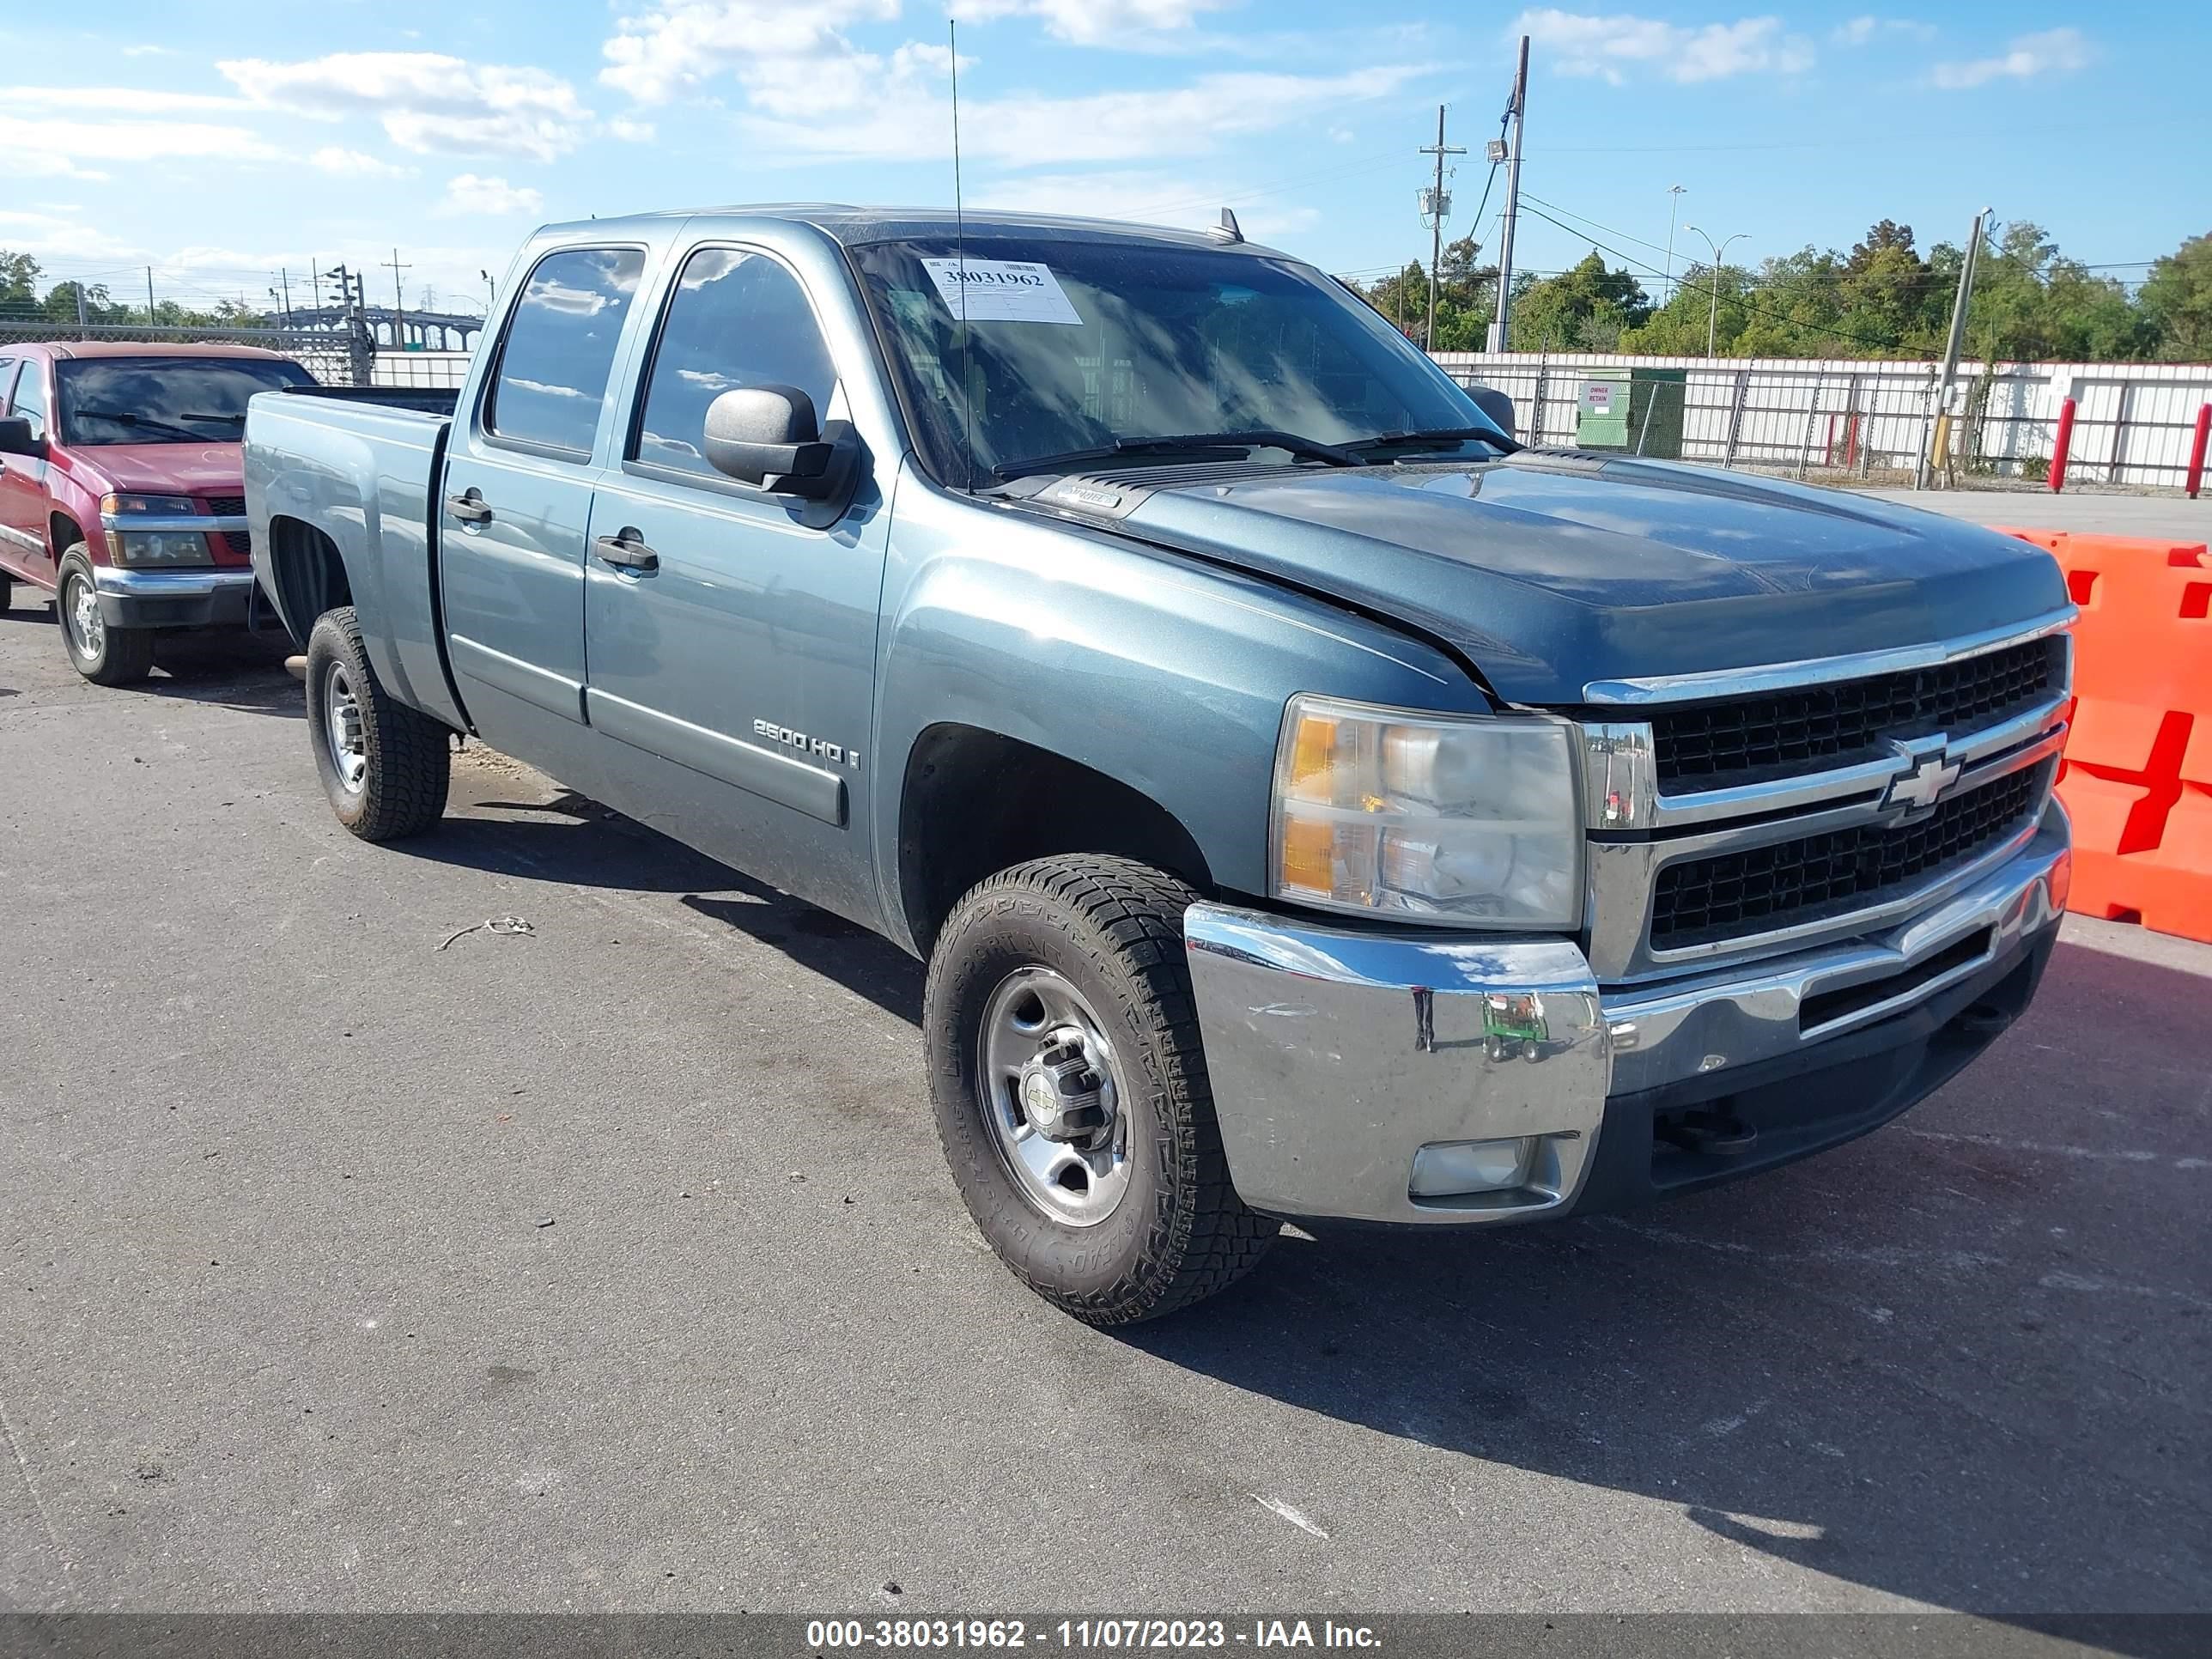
[(238, 419), (1440, 434), (125, 417), (1185, 443)]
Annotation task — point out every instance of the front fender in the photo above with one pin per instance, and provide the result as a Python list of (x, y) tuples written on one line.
[(1159, 671)]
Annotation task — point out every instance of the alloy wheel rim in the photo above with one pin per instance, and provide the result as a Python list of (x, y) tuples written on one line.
[(81, 613), (1053, 1095), (342, 729)]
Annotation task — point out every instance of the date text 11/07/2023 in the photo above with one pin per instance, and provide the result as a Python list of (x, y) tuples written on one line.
[(1082, 1635)]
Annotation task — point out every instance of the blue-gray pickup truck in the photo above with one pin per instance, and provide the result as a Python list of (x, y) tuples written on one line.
[(1311, 803)]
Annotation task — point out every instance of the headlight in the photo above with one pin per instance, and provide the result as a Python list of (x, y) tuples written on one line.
[(153, 547), (1461, 820)]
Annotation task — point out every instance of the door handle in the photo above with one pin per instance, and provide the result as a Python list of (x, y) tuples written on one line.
[(625, 551), (469, 506)]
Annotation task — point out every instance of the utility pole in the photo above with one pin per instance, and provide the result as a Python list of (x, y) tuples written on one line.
[(284, 278), (399, 304), (80, 305), (1439, 204), (149, 296), (1499, 333), (1951, 347), (1673, 202)]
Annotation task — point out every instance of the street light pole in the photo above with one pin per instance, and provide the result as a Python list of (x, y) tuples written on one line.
[(1673, 202), (1713, 309)]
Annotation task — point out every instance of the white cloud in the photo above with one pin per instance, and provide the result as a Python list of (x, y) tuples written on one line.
[(470, 194), (892, 112), (355, 164), (427, 101), (2053, 51), (1092, 22), (678, 46), (1578, 43), (56, 237), (630, 131), (1862, 31), (128, 101), (57, 145)]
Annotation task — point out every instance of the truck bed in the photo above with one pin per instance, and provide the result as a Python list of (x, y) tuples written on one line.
[(362, 467)]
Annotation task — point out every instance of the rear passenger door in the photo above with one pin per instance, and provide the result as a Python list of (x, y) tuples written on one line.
[(516, 501), (735, 678)]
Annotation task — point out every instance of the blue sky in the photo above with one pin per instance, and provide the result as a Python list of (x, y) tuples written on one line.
[(222, 140)]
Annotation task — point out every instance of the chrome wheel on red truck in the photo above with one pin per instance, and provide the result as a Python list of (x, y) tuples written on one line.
[(103, 653), (386, 767)]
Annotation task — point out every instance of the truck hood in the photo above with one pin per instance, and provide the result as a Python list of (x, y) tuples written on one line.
[(164, 469), (1552, 571)]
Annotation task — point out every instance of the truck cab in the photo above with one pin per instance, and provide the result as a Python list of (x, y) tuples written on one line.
[(1311, 802), (122, 490)]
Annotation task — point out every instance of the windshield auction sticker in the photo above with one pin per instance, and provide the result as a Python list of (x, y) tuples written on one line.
[(1002, 291)]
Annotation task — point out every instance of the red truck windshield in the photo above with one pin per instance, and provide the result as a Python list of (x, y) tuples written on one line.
[(164, 400), (1075, 345)]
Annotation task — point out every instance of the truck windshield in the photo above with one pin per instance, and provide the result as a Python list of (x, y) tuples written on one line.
[(164, 400), (1077, 347)]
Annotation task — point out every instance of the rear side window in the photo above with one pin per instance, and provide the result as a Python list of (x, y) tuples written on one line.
[(7, 376), (559, 345), (737, 319)]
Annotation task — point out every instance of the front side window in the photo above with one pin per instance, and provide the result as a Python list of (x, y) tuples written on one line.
[(1075, 345), (30, 399), (161, 400), (738, 318), (560, 347), (7, 376)]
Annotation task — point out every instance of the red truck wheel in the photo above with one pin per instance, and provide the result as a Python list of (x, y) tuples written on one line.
[(103, 654)]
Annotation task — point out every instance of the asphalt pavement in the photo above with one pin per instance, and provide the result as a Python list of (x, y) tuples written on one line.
[(355, 1255)]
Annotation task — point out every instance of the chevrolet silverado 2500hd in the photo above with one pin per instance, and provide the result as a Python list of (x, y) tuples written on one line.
[(1310, 803)]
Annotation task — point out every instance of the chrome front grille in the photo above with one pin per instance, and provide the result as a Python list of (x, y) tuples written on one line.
[(1753, 816), (1786, 883), (1811, 728)]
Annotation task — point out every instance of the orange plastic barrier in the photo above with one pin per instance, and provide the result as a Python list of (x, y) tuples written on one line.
[(2137, 774)]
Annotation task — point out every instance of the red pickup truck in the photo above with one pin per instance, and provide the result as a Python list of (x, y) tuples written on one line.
[(122, 491)]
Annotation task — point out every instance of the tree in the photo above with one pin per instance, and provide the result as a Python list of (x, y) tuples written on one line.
[(1587, 307), (2177, 298), (19, 283)]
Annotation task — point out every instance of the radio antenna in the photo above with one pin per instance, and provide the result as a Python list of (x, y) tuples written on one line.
[(960, 250)]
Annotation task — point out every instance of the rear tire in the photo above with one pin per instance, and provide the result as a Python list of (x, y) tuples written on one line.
[(386, 767), (7, 595), (103, 654), (1102, 940)]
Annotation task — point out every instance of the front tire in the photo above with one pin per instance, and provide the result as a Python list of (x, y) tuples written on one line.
[(386, 767), (103, 654), (1071, 1090)]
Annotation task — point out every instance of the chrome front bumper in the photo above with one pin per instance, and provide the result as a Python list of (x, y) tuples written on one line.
[(1336, 1055), (198, 597)]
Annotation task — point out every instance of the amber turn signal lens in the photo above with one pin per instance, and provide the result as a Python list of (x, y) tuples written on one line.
[(1309, 855)]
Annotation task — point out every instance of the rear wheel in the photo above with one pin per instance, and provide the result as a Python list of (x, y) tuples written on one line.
[(386, 767), (105, 655), (1071, 1090), (6, 592)]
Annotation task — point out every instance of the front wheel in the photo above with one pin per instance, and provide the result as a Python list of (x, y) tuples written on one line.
[(386, 767), (1071, 1090), (104, 654)]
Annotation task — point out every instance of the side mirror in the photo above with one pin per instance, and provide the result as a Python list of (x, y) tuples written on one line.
[(767, 436), (1496, 404), (16, 438)]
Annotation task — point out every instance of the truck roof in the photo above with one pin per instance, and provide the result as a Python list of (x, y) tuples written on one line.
[(142, 348), (849, 225)]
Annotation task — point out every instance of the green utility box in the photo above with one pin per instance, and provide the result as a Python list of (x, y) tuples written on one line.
[(1601, 411), (1638, 410)]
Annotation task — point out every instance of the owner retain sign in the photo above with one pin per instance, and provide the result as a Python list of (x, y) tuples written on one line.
[(1001, 291)]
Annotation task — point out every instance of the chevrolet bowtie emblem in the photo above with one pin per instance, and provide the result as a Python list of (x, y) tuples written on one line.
[(1924, 784)]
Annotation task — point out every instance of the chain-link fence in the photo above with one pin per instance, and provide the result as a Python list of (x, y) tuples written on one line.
[(1858, 420), (334, 356)]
